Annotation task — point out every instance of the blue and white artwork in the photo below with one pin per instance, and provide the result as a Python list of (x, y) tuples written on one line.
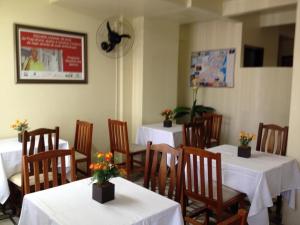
[(213, 68)]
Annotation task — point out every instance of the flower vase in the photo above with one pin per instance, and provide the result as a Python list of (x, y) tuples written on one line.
[(103, 192), (244, 151), (167, 123), (20, 137)]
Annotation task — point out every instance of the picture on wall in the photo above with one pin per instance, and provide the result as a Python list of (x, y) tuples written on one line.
[(50, 56), (213, 68)]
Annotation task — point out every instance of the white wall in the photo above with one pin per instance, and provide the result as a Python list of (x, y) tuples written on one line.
[(291, 217), (259, 94), (48, 105)]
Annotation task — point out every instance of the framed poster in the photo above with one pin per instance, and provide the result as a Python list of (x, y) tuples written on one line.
[(213, 68), (50, 56)]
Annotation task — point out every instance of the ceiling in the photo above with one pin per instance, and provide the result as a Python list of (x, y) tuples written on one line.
[(181, 11)]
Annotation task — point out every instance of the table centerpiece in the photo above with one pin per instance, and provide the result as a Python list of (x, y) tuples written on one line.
[(168, 114), (244, 150), (103, 170), (20, 126)]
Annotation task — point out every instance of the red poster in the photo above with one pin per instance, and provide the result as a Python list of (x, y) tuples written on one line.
[(50, 55)]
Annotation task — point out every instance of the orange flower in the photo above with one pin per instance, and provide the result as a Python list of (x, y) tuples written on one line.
[(92, 166), (108, 156)]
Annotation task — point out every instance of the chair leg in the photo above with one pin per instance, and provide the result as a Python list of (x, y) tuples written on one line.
[(278, 208)]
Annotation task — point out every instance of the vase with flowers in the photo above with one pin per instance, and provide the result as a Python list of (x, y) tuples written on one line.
[(244, 150), (181, 112), (103, 170), (20, 126), (168, 114)]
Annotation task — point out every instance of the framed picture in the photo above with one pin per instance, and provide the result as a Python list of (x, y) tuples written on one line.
[(213, 68), (50, 56)]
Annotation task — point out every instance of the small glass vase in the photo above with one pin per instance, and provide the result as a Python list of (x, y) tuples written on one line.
[(103, 192), (244, 151)]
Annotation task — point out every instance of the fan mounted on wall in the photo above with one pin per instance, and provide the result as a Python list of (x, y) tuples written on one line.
[(115, 37)]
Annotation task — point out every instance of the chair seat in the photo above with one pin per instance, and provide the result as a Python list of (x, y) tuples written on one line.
[(227, 192), (79, 156), (17, 179), (134, 148)]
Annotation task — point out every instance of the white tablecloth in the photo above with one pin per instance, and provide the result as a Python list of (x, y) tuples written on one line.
[(73, 204), (262, 177), (10, 162), (159, 134)]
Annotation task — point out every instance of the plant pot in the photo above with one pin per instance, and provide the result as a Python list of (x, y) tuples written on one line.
[(103, 193), (167, 123), (244, 151)]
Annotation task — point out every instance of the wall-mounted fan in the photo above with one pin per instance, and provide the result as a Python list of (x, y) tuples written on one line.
[(115, 37)]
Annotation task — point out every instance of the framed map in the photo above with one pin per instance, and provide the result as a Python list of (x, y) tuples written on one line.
[(213, 68)]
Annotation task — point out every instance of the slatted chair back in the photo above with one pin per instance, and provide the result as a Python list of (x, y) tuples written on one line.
[(118, 136), (272, 138), (239, 219), (163, 170), (216, 128), (53, 167), (36, 141), (83, 137), (194, 134), (203, 176)]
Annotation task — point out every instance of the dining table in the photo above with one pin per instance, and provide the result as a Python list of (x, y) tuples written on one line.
[(11, 160), (157, 134), (72, 203), (262, 177)]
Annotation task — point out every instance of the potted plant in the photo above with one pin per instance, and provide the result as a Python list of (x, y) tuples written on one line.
[(244, 150), (20, 126), (195, 110), (103, 170), (167, 113)]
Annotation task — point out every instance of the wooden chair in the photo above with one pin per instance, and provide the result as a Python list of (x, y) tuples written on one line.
[(207, 120), (43, 170), (83, 145), (239, 219), (193, 134), (203, 178), (272, 138), (36, 144), (118, 136), (163, 170), (216, 129)]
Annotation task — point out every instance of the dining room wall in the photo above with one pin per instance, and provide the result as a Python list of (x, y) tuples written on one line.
[(49, 105), (259, 94)]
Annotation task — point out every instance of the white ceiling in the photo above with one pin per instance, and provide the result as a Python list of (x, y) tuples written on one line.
[(181, 11)]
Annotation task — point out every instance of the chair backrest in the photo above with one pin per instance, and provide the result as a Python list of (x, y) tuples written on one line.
[(118, 136), (51, 136), (83, 137), (216, 127), (193, 134), (163, 169), (203, 176), (239, 219), (36, 142), (272, 138), (45, 176)]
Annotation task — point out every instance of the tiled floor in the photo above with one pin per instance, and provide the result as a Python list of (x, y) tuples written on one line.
[(9, 221)]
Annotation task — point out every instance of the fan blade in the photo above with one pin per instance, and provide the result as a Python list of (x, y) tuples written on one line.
[(125, 36), (108, 26)]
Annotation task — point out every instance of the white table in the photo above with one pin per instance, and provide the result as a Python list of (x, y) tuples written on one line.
[(159, 134), (262, 177), (10, 162), (73, 204)]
